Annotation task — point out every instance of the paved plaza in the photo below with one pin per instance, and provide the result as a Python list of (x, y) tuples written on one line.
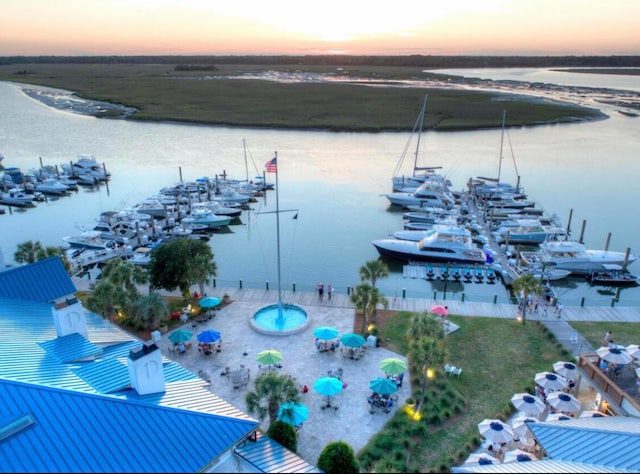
[(351, 422)]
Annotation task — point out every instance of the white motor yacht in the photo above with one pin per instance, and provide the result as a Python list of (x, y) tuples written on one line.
[(15, 197), (575, 257), (444, 243)]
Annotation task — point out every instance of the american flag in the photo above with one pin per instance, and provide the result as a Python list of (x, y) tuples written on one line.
[(272, 166)]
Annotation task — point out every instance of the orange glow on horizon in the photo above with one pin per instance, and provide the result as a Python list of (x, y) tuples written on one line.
[(472, 27)]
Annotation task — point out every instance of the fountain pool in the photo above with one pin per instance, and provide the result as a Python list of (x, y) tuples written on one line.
[(280, 320)]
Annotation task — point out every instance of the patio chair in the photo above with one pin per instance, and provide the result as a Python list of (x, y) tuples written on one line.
[(448, 368), (574, 338), (456, 371)]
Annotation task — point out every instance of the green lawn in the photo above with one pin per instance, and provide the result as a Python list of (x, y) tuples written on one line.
[(623, 333), (498, 358)]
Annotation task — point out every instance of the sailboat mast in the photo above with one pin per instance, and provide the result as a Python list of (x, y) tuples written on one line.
[(422, 112), (504, 115), (278, 236), (246, 166)]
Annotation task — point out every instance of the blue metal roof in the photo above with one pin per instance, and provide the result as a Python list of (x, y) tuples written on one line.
[(542, 466), (612, 441), (27, 329), (268, 456), (80, 432), (70, 348), (52, 279)]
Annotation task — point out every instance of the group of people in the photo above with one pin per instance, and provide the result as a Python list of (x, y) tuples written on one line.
[(207, 348), (324, 346), (384, 402), (320, 290)]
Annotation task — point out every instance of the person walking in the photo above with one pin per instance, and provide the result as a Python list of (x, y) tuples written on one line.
[(320, 291), (329, 292), (608, 337)]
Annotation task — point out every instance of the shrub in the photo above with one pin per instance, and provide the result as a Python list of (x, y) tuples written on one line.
[(338, 457), (285, 434)]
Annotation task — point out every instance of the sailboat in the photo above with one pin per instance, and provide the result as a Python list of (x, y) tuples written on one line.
[(420, 174), (494, 188)]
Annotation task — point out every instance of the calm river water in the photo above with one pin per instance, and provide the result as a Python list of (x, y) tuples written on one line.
[(335, 181)]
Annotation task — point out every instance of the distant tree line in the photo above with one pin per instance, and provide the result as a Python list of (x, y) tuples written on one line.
[(424, 61)]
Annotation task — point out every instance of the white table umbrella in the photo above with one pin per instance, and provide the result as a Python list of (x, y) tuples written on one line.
[(480, 459), (634, 350), (518, 455), (557, 417), (496, 431), (551, 381), (614, 355), (528, 404), (564, 402), (520, 425), (568, 370)]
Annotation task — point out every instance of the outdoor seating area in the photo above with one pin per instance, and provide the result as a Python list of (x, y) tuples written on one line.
[(353, 353), (381, 403), (452, 370), (332, 389)]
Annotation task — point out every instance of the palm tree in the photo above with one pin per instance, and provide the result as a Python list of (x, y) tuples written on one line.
[(526, 285), (125, 274), (271, 390), (425, 324), (372, 270), (150, 309), (28, 252), (366, 298), (203, 267), (107, 298), (425, 353)]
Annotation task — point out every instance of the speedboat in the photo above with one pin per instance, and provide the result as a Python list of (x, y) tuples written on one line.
[(218, 209), (575, 257), (430, 193), (613, 275), (442, 244), (206, 217), (90, 239), (51, 186), (527, 231), (15, 197)]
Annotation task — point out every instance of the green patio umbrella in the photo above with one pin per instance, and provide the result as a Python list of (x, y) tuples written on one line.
[(180, 335), (393, 366), (352, 340), (269, 357)]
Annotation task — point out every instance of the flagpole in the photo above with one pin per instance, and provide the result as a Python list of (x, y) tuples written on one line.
[(278, 239)]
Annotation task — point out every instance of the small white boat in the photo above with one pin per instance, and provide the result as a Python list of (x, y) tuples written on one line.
[(140, 256), (15, 197), (206, 217), (52, 186), (89, 239)]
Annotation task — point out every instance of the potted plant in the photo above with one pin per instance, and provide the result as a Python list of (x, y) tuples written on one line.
[(226, 299), (163, 327), (410, 402)]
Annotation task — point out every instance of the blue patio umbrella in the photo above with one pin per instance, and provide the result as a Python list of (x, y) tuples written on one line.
[(180, 335), (352, 340), (383, 386), (293, 413), (326, 333), (209, 335), (209, 302)]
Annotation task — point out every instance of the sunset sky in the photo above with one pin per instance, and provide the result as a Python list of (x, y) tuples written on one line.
[(473, 27)]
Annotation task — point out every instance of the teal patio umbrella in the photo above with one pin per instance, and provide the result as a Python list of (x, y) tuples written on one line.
[(352, 340), (180, 335), (209, 302), (383, 386), (328, 386), (293, 413), (326, 333)]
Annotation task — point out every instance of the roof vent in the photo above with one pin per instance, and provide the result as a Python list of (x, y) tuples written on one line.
[(16, 426)]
